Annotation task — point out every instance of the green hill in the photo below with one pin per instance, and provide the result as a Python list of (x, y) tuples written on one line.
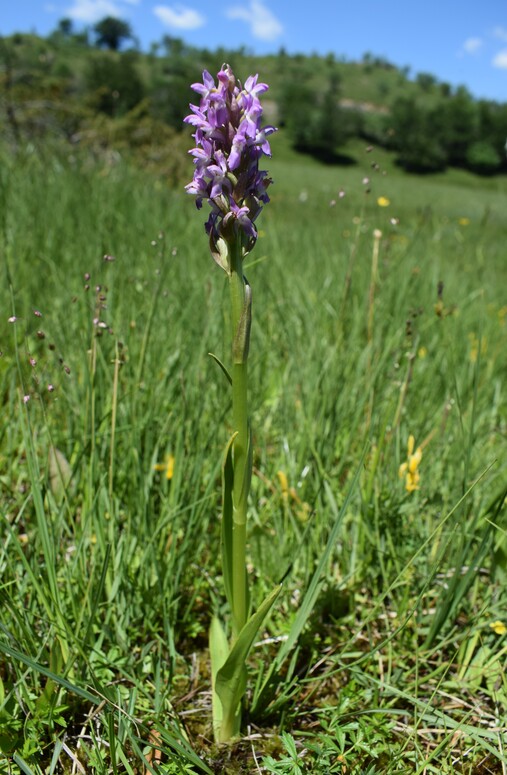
[(63, 88)]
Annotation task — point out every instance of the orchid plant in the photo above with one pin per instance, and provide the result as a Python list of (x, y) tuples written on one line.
[(230, 141)]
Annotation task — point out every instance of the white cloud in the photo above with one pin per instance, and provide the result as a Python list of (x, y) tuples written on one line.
[(471, 45), (179, 17), (500, 60), (263, 23), (500, 32), (89, 11)]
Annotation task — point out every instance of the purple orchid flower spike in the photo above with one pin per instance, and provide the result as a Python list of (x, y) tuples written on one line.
[(229, 143)]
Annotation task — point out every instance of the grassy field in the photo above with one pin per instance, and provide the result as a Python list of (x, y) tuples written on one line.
[(380, 313)]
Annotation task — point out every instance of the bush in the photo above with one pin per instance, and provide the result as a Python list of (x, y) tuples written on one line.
[(149, 143), (483, 158), (314, 120), (423, 154), (416, 137), (114, 84)]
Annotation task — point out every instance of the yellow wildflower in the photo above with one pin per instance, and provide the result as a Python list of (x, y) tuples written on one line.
[(409, 468), (167, 466), (290, 496), (474, 346), (422, 352), (464, 221), (498, 627), (304, 511), (383, 201), (284, 484)]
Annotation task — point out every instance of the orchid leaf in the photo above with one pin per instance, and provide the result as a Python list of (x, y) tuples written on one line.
[(222, 366), (230, 680), (219, 650), (247, 477), (241, 343), (227, 517)]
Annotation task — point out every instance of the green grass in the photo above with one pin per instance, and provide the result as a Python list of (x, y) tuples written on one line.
[(380, 657)]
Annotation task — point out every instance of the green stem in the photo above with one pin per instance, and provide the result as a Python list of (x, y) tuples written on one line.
[(240, 313)]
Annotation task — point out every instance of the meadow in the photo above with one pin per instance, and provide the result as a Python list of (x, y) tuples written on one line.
[(380, 314)]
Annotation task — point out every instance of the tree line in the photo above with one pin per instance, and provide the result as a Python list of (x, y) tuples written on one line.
[(99, 78), (429, 126)]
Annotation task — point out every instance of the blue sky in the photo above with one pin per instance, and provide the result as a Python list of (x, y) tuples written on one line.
[(458, 41)]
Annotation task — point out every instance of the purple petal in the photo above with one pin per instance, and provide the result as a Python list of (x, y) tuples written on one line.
[(252, 87)]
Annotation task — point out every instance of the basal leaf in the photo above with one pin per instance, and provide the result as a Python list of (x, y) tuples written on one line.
[(230, 682), (219, 650)]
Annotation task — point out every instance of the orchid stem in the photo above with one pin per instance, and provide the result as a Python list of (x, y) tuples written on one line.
[(240, 315)]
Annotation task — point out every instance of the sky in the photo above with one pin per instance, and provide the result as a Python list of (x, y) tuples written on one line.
[(458, 41)]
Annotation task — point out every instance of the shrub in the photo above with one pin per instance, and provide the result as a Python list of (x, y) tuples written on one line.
[(483, 158)]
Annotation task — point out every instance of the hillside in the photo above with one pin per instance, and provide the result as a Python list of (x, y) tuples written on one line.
[(64, 88)]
